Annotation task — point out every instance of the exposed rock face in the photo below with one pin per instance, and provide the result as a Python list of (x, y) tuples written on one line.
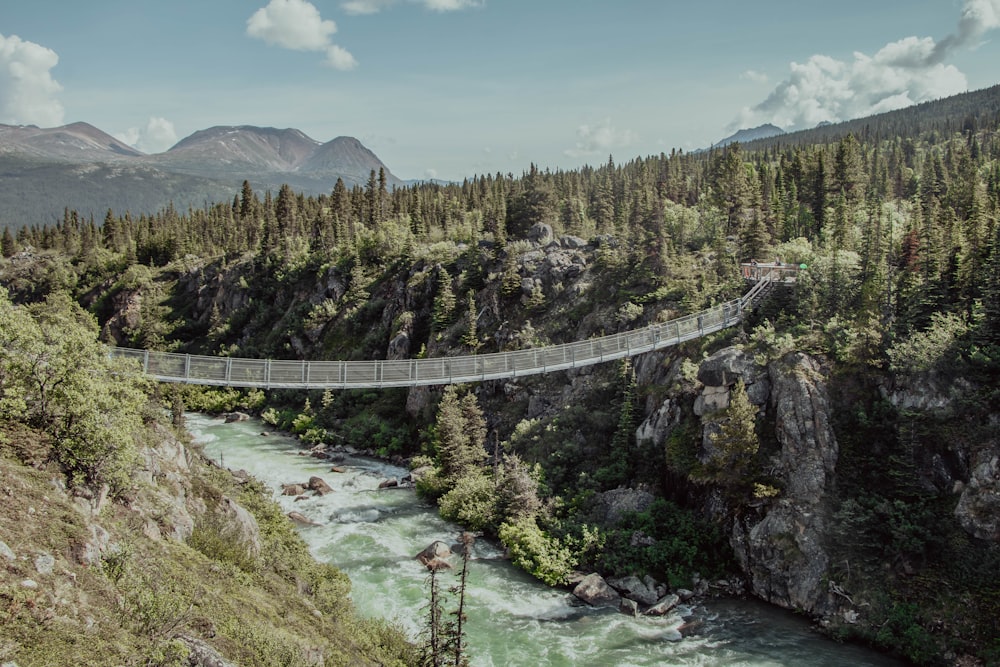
[(719, 372), (634, 588), (783, 551), (802, 408), (540, 233), (611, 506), (201, 654), (240, 525), (978, 508), (127, 308), (596, 592), (660, 423), (924, 392)]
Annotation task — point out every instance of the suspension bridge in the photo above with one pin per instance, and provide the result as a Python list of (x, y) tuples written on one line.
[(290, 374)]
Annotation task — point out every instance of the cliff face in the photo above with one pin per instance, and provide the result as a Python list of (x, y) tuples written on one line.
[(791, 537)]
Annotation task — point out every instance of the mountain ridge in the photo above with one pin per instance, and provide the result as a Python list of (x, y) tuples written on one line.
[(44, 170)]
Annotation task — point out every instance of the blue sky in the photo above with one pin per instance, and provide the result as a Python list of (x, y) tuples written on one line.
[(451, 88)]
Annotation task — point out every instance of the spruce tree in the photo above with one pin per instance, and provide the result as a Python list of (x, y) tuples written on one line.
[(8, 246)]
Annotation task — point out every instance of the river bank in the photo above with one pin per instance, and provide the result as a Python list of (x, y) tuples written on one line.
[(373, 535)]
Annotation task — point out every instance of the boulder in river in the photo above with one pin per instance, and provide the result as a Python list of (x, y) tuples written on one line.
[(596, 592), (436, 549), (292, 489), (634, 588), (298, 517), (664, 605), (389, 483), (319, 486)]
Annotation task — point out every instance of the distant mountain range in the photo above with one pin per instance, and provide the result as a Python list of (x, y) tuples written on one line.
[(752, 134), (44, 171)]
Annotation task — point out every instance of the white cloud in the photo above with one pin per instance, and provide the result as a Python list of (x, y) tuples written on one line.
[(450, 5), (905, 72), (28, 93), (292, 24), (156, 137), (754, 75), (365, 6), (340, 58), (375, 6), (297, 25), (599, 139)]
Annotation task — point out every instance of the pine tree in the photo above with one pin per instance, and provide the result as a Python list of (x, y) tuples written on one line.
[(460, 431), (444, 302), (471, 336), (736, 441), (8, 246)]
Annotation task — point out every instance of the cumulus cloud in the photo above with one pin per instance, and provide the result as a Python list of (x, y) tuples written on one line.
[(375, 6), (599, 139), (28, 93), (157, 136), (297, 25), (905, 72), (339, 58)]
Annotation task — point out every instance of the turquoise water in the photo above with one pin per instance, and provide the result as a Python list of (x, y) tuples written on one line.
[(373, 536)]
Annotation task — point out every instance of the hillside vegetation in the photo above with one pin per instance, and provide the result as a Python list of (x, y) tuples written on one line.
[(120, 544), (838, 452)]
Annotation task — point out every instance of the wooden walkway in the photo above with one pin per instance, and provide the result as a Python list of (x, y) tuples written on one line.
[(285, 374)]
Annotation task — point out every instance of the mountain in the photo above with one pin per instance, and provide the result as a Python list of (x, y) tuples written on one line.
[(78, 166), (77, 142), (752, 134), (244, 149)]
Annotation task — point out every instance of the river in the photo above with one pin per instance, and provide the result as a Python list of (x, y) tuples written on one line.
[(513, 620)]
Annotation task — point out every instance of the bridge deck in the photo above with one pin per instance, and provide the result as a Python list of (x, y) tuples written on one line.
[(287, 374)]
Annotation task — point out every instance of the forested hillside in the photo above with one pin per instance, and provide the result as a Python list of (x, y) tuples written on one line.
[(839, 451)]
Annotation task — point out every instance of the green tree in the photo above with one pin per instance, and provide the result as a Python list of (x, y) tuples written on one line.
[(460, 430), (56, 376), (8, 246), (736, 442), (444, 302), (471, 336)]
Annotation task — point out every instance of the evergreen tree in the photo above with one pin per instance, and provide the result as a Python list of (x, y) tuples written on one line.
[(8, 246), (736, 442), (444, 302), (471, 336), (460, 436)]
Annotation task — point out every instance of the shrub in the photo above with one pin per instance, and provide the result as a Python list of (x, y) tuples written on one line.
[(472, 502), (536, 552)]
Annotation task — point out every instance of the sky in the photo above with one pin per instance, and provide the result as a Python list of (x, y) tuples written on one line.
[(452, 88)]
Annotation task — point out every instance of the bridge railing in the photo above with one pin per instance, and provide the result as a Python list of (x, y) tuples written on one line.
[(274, 373)]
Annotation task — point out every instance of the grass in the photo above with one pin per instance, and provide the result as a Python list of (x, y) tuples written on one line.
[(131, 605)]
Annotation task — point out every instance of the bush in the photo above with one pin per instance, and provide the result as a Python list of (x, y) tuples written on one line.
[(534, 551), (472, 503)]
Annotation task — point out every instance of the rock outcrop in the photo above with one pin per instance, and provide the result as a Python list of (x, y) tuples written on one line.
[(978, 509), (782, 549)]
